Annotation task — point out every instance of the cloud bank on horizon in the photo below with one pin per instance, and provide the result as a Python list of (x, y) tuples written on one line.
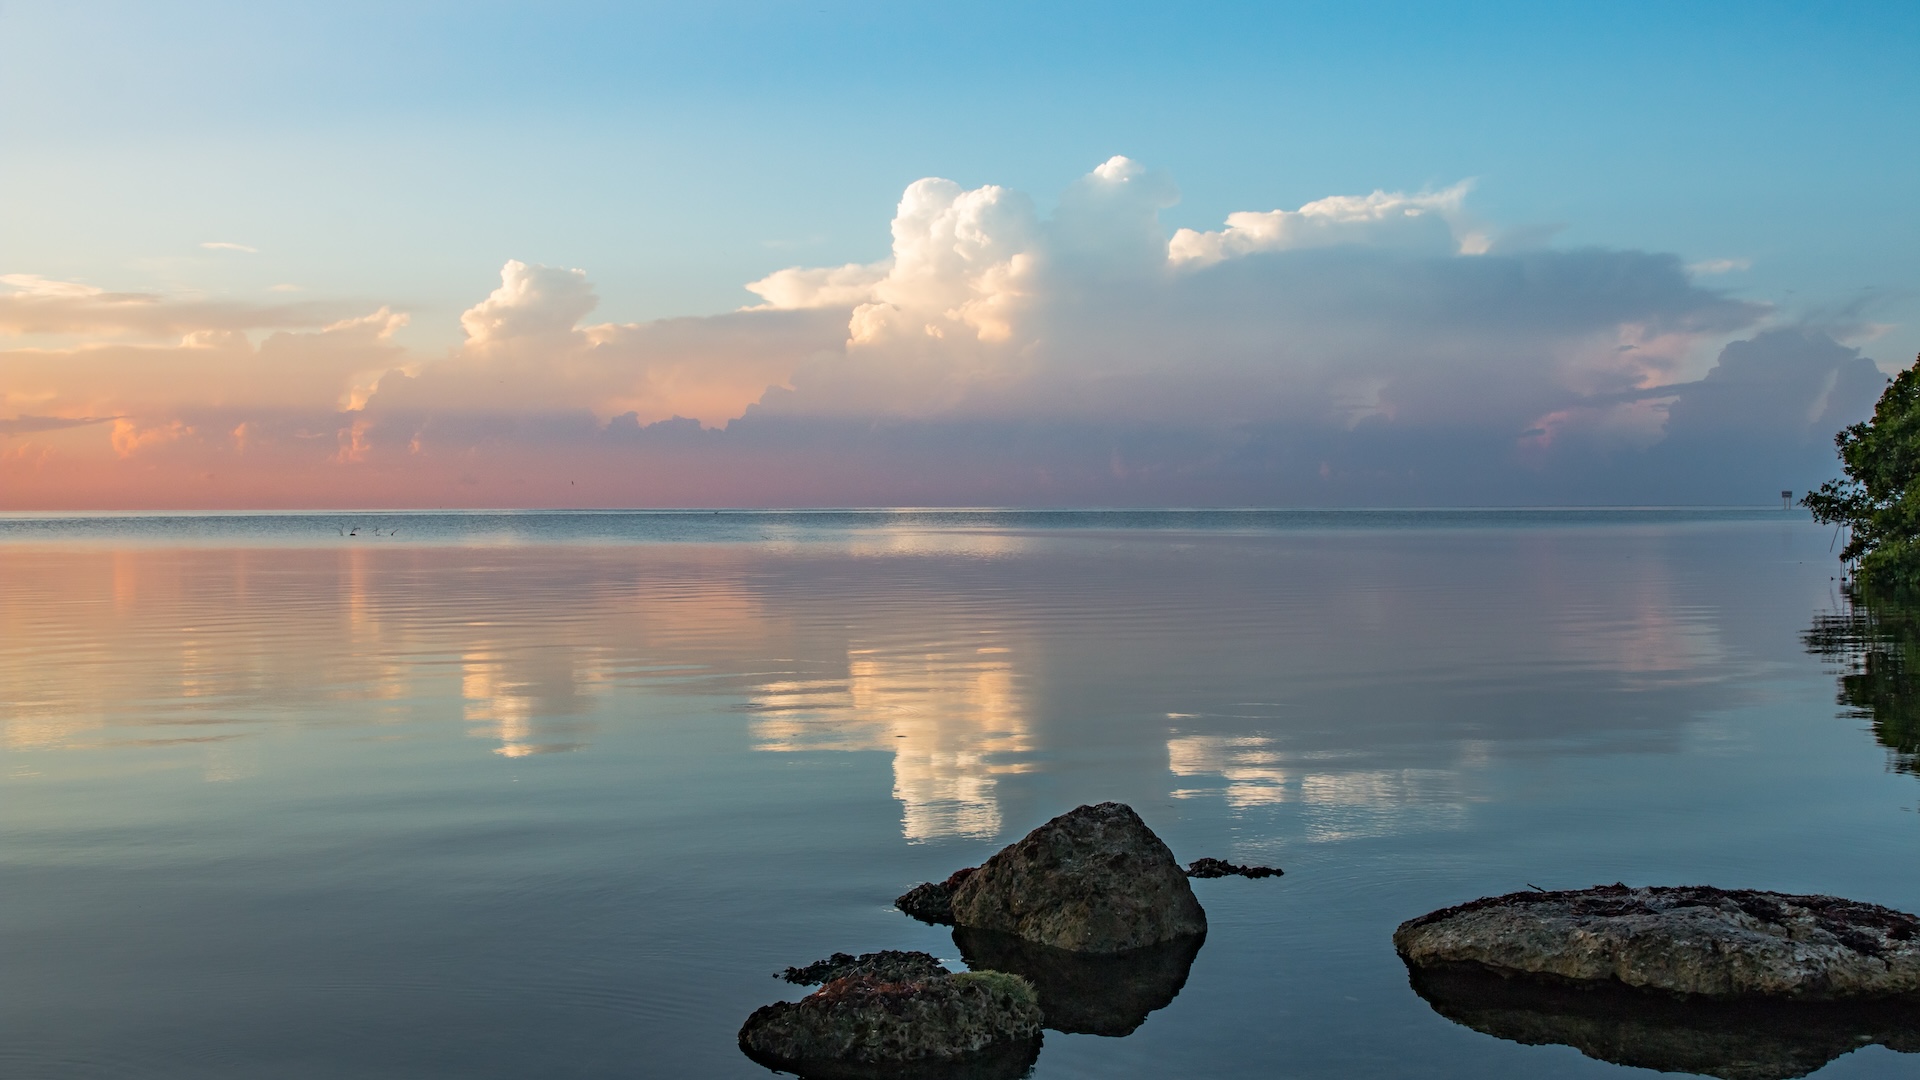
[(1377, 349)]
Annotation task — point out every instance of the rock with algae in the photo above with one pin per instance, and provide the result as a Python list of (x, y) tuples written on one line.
[(894, 1015), (1694, 940)]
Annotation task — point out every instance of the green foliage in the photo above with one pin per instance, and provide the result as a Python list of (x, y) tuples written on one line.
[(1000, 984), (1879, 501)]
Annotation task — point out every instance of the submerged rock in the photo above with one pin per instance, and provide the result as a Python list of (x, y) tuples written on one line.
[(1217, 868), (975, 1025), (1734, 1040), (1689, 940), (1094, 879), (1086, 993)]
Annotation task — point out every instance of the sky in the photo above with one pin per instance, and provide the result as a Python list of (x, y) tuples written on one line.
[(820, 254)]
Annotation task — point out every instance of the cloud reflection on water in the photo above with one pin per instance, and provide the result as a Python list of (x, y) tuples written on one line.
[(954, 719), (526, 650), (1340, 804), (523, 715), (1388, 671)]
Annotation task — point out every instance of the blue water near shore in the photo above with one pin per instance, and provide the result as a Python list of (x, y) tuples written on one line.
[(501, 795)]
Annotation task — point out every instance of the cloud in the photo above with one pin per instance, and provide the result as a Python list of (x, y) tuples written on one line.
[(1376, 308), (31, 304), (223, 245), (1427, 221), (26, 425), (1763, 419), (207, 368), (1708, 267), (129, 437), (1362, 348), (798, 288), (1107, 227), (529, 348), (1795, 385), (534, 304), (962, 264), (30, 287)]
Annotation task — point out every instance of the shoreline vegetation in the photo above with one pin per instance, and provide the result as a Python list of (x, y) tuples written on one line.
[(1878, 503)]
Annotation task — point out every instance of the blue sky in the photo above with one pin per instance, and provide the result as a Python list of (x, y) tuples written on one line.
[(678, 151), (400, 154)]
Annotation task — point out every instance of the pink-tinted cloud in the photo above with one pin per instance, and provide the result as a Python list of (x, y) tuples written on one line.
[(31, 304), (1357, 348)]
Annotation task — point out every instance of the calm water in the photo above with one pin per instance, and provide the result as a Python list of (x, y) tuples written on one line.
[(553, 794)]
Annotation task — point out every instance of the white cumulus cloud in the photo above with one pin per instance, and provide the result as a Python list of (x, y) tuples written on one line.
[(798, 288), (532, 302), (1429, 220)]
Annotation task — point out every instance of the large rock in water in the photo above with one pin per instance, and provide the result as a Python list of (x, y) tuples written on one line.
[(895, 1016), (1093, 880), (1689, 940)]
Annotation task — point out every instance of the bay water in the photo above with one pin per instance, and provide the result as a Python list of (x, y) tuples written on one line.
[(554, 794)]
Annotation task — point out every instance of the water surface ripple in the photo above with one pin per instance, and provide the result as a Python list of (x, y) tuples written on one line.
[(485, 794)]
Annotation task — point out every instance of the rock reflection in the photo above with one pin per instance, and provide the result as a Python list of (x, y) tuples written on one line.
[(1083, 994), (1002, 1061), (1877, 641), (1732, 1040), (953, 718)]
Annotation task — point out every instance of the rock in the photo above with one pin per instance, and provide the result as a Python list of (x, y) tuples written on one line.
[(1689, 940), (888, 965), (1087, 993), (1734, 1040), (1213, 868), (866, 1026), (1094, 880), (932, 902)]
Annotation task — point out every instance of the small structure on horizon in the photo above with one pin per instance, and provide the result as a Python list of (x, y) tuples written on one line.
[(1786, 500)]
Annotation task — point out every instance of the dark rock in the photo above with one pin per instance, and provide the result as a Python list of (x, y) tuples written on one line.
[(932, 902), (1689, 940), (1082, 993), (1735, 1040), (1094, 879), (977, 1025), (888, 965), (1213, 868)]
